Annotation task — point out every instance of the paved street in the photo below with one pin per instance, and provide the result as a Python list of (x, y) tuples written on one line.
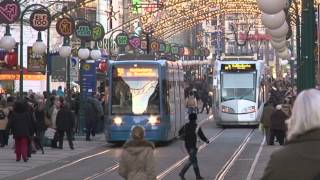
[(233, 154)]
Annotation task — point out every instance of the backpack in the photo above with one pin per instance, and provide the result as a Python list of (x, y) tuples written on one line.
[(191, 102), (182, 133), (2, 114)]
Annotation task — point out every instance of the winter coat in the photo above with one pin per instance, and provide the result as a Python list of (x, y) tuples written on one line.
[(4, 122), (137, 161), (278, 119), (21, 124), (40, 124), (298, 160), (191, 136), (93, 111), (266, 115), (65, 120)]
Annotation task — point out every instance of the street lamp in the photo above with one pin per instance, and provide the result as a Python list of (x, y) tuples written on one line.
[(39, 47), (7, 42), (40, 20)]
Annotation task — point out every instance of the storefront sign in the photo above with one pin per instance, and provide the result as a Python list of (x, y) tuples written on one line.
[(162, 47), (40, 20), (9, 11), (135, 42), (122, 39), (36, 63), (144, 45), (84, 31), (97, 32), (65, 26), (155, 46)]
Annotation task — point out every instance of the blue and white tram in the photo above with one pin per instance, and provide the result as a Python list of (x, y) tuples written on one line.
[(149, 93), (240, 92)]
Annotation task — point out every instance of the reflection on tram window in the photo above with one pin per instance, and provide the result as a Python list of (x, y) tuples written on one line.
[(135, 93), (238, 86)]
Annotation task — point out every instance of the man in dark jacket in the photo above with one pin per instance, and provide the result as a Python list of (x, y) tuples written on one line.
[(190, 137), (278, 126), (65, 123), (268, 110)]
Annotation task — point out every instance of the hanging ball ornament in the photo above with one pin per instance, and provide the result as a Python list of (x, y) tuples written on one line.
[(278, 45), (273, 21), (83, 53), (271, 6), (279, 32)]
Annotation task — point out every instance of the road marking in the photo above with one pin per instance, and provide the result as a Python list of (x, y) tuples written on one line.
[(221, 174), (254, 164), (179, 163), (104, 172), (67, 165)]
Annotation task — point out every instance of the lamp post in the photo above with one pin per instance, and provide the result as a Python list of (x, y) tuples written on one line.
[(39, 20), (308, 25)]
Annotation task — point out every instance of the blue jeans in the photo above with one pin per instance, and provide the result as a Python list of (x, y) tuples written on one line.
[(193, 160)]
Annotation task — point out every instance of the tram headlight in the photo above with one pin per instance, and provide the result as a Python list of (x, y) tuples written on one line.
[(117, 121), (153, 120), (249, 109), (227, 109)]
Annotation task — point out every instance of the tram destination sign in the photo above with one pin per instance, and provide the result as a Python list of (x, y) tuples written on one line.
[(238, 67)]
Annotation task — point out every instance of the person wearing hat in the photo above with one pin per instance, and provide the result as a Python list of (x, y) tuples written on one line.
[(137, 161), (278, 127)]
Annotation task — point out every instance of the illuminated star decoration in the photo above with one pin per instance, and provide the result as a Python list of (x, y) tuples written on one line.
[(112, 14)]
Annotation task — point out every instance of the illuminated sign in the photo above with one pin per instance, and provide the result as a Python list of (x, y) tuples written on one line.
[(137, 72), (238, 67)]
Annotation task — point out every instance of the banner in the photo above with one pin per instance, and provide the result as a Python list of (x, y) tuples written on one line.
[(58, 69), (36, 63)]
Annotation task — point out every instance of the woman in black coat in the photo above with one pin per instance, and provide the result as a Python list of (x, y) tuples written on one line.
[(20, 124), (65, 123)]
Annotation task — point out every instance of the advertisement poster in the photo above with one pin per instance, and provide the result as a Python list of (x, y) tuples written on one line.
[(74, 69), (58, 69), (36, 63)]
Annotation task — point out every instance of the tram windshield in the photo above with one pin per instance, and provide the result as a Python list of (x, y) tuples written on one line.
[(238, 86), (135, 90)]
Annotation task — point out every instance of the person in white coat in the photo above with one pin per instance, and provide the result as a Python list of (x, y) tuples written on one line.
[(137, 161)]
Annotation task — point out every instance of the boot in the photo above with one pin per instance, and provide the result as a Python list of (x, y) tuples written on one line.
[(183, 171), (197, 172)]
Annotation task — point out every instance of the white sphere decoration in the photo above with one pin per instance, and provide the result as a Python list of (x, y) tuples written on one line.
[(39, 47), (95, 54), (83, 53), (278, 45), (65, 51), (282, 49), (271, 6), (284, 62), (280, 39), (273, 21), (279, 32), (7, 42), (284, 54)]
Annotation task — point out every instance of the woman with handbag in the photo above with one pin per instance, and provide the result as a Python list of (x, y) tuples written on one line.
[(40, 121)]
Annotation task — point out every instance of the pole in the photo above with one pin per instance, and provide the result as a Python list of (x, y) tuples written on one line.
[(21, 56), (47, 57), (308, 44)]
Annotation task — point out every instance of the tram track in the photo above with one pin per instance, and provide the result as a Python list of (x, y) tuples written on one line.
[(109, 170), (225, 169), (68, 164)]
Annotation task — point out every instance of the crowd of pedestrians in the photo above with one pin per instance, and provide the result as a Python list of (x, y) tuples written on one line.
[(39, 120)]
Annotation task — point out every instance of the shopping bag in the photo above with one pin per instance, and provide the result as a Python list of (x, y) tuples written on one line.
[(50, 133)]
